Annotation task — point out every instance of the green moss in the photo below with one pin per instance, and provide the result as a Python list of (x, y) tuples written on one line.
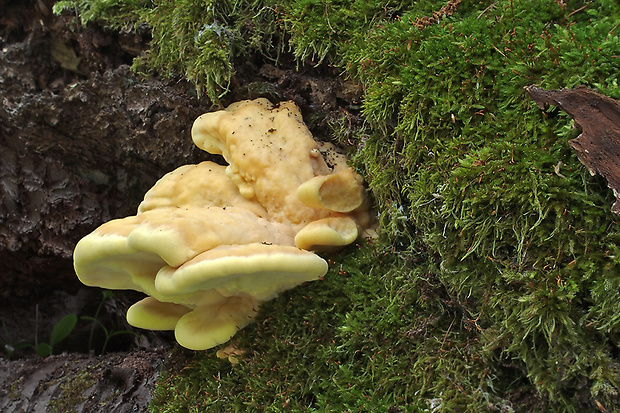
[(359, 340), (14, 392), (523, 246), (71, 393), (194, 39), (495, 283)]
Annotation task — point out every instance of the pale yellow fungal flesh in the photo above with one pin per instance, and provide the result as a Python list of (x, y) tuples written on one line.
[(210, 242)]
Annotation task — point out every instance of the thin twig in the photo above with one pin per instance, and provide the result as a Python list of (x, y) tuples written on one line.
[(578, 10), (487, 9), (445, 337)]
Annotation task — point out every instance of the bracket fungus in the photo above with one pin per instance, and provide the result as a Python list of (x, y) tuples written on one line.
[(210, 243)]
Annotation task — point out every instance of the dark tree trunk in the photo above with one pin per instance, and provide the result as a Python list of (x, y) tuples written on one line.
[(81, 140)]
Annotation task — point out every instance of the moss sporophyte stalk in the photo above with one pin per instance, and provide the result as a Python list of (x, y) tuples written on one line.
[(494, 283)]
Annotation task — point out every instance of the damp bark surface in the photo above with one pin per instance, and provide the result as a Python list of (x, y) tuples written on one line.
[(116, 383)]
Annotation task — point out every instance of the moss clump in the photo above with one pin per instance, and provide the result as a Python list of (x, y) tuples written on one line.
[(495, 285), (194, 39), (517, 231), (360, 340)]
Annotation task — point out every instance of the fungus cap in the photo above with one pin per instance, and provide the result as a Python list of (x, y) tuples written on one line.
[(209, 325), (152, 314), (339, 192), (203, 185), (270, 152), (179, 234), (257, 270), (326, 234), (210, 243), (105, 259)]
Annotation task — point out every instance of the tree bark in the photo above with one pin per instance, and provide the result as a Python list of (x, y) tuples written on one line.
[(76, 151)]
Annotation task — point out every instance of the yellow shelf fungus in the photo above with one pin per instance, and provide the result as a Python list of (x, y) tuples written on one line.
[(210, 243)]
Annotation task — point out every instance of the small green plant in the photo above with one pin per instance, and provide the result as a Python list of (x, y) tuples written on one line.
[(61, 330), (9, 346), (96, 322)]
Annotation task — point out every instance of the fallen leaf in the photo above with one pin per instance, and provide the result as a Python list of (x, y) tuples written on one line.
[(598, 117)]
